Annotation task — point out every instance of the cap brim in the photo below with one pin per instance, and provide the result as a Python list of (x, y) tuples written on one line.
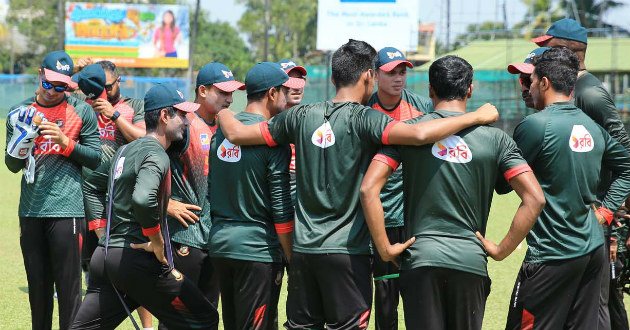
[(540, 41), (187, 106), (295, 83), (53, 76), (516, 68), (391, 65), (299, 68), (229, 86)]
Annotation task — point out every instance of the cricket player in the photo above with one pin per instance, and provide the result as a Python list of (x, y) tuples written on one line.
[(330, 283), (595, 101), (524, 70), (561, 273), (132, 265), (394, 100), (189, 209), (50, 137), (448, 189), (252, 212)]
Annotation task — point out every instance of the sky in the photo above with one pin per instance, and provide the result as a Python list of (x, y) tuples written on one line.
[(463, 13)]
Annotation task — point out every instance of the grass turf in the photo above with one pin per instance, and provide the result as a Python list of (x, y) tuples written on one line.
[(14, 306)]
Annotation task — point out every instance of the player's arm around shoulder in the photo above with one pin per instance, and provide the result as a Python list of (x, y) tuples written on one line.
[(241, 134), (87, 150), (435, 130)]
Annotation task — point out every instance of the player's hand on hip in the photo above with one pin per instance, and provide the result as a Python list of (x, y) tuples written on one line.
[(52, 131), (600, 218), (392, 251), (183, 212), (487, 114), (157, 249), (25, 122), (492, 249), (103, 107)]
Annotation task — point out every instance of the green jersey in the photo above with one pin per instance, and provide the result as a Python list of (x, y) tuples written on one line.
[(334, 143), (448, 188), (410, 106), (189, 168), (141, 191), (250, 197), (592, 98), (566, 149), (56, 191)]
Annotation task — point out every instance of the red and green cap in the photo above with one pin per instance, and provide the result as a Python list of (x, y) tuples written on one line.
[(91, 81), (289, 65), (219, 76), (565, 28), (266, 75), (58, 67), (161, 96), (389, 58), (526, 67)]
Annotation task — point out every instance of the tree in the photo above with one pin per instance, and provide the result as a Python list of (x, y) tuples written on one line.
[(291, 28), (589, 12)]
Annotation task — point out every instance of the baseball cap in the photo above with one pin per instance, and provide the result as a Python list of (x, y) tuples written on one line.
[(565, 28), (218, 75), (265, 75), (58, 67), (526, 67), (288, 65), (91, 81), (161, 96), (389, 58)]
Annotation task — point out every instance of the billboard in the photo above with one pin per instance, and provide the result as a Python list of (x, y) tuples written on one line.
[(379, 22), (141, 36)]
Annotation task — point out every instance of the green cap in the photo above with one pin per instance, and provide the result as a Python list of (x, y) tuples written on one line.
[(219, 76), (161, 96), (92, 82), (58, 67), (265, 75), (565, 28)]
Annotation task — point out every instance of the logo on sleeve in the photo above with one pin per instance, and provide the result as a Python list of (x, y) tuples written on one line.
[(452, 149), (119, 168), (323, 136), (581, 140), (205, 141), (229, 152)]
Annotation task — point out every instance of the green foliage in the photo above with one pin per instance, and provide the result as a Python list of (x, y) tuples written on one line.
[(292, 28)]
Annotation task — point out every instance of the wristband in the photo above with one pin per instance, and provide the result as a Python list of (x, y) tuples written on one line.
[(115, 116)]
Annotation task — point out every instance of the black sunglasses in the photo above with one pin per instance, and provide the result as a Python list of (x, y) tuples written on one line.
[(109, 87)]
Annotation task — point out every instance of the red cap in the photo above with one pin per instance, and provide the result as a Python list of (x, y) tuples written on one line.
[(541, 40), (54, 76), (229, 86), (187, 106), (516, 68), (295, 83)]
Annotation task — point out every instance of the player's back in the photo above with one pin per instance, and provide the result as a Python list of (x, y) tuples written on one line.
[(564, 148), (448, 189)]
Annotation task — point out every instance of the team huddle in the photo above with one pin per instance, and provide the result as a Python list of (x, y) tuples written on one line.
[(169, 205)]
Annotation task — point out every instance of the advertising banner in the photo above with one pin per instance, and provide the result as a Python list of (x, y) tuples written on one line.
[(130, 35)]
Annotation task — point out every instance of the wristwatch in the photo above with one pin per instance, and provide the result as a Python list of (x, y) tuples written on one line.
[(115, 116)]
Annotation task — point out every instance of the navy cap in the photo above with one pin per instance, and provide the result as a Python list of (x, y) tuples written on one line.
[(218, 75), (58, 67), (92, 82), (161, 96), (526, 67), (565, 28), (389, 58), (289, 65), (265, 75)]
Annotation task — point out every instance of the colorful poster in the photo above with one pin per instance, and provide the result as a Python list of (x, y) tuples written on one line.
[(141, 36)]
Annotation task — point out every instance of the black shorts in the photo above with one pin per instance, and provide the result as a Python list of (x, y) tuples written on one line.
[(331, 290), (439, 298), (247, 292), (197, 266), (142, 281), (562, 294)]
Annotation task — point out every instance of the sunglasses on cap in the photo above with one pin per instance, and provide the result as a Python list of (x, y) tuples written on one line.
[(109, 87), (526, 82), (49, 85)]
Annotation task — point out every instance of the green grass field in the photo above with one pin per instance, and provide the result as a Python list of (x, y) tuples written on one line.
[(14, 306)]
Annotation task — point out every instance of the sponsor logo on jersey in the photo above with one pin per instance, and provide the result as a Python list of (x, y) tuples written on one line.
[(180, 94), (119, 168), (452, 149), (48, 147), (59, 122), (227, 74), (205, 141), (394, 54), (581, 140), (229, 152), (183, 250), (107, 132), (63, 67), (323, 136)]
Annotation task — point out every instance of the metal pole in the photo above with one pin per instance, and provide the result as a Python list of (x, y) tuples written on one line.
[(61, 24), (448, 25), (191, 46)]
